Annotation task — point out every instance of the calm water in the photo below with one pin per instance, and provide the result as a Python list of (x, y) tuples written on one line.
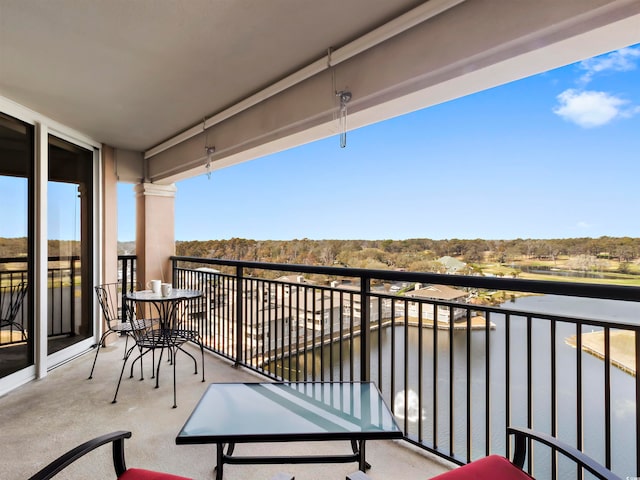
[(390, 344), (564, 273)]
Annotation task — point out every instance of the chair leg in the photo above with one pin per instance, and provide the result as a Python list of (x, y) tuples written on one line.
[(195, 362), (153, 362), (124, 364), (23, 333), (95, 358), (175, 358), (126, 343), (158, 368), (202, 355), (139, 358)]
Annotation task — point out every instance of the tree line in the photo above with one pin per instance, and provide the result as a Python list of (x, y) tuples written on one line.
[(418, 254), (18, 247)]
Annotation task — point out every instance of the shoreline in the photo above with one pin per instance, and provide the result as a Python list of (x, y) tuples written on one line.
[(621, 348)]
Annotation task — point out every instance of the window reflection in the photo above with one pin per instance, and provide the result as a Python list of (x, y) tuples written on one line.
[(16, 324)]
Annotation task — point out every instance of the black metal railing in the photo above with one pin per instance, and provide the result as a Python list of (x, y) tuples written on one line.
[(127, 272), (456, 374), (63, 278), (63, 281), (13, 271), (127, 278)]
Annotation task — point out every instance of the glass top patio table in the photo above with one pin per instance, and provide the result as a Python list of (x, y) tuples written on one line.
[(254, 412), (176, 294), (166, 305), (230, 413)]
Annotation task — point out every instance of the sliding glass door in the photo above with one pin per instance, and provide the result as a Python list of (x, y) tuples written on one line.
[(16, 245), (59, 309), (70, 232)]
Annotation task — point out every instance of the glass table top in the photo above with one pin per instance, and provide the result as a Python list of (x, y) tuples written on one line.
[(176, 294), (237, 412)]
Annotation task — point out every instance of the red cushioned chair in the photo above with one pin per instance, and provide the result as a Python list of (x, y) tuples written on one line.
[(495, 467), (122, 473)]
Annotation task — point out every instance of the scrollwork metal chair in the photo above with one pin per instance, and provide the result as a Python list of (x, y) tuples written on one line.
[(119, 315), (11, 300)]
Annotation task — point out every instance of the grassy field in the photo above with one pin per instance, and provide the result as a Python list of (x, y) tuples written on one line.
[(630, 280), (631, 277), (622, 348)]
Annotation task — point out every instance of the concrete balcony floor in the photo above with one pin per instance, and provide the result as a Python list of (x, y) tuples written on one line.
[(45, 418)]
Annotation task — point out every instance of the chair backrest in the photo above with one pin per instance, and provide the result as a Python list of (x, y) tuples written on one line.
[(11, 298), (110, 300)]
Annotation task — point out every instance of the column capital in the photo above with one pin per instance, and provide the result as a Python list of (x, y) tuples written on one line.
[(156, 190)]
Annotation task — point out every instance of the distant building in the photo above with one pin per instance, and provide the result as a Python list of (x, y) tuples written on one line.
[(437, 292), (452, 265)]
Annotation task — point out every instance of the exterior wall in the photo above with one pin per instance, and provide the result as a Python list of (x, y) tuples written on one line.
[(128, 166), (109, 240), (109, 216), (425, 309)]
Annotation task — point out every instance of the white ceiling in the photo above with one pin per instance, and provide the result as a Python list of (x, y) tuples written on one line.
[(133, 73)]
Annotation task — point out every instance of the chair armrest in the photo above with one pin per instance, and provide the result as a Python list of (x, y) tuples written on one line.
[(116, 438), (522, 434)]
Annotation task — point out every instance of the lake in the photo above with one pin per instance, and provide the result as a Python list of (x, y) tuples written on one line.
[(397, 349)]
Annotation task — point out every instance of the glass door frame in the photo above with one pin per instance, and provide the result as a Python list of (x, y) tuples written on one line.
[(43, 126)]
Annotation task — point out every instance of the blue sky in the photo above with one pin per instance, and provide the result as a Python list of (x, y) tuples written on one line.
[(63, 222), (556, 155)]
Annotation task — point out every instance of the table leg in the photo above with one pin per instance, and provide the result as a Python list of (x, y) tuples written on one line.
[(232, 446), (359, 447), (220, 460)]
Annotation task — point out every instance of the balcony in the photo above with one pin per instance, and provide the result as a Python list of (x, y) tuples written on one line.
[(455, 373), (52, 416)]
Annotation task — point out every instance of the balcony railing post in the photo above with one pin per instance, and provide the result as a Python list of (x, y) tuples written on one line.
[(128, 314), (174, 272), (239, 315), (365, 329), (72, 291)]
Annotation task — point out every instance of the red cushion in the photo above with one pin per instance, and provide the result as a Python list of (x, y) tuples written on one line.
[(493, 467), (140, 474)]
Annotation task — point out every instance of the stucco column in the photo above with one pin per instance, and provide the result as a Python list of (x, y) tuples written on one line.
[(110, 217), (109, 240), (155, 231)]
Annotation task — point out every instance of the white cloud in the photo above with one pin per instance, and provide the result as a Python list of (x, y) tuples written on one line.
[(584, 224), (590, 109), (622, 60)]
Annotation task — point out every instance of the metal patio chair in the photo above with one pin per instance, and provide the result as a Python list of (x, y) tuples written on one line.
[(11, 300), (120, 316)]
